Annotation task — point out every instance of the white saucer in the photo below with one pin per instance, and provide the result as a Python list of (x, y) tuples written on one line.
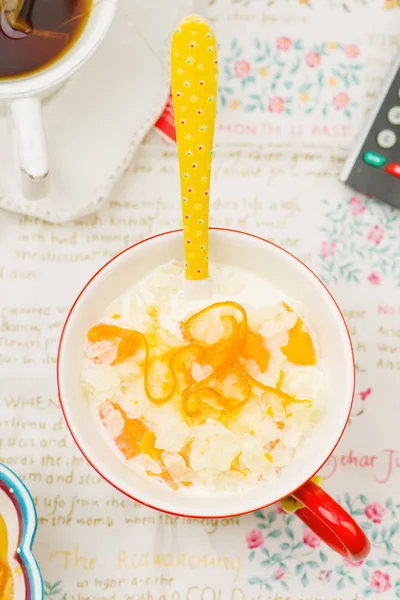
[(97, 120)]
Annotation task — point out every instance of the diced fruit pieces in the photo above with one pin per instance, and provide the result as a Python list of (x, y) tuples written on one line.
[(210, 373)]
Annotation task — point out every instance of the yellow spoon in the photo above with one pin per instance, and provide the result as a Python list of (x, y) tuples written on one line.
[(194, 75)]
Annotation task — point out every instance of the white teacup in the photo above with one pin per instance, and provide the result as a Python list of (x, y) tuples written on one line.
[(297, 281), (25, 93)]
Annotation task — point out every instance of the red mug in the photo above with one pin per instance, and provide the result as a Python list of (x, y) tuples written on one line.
[(319, 512)]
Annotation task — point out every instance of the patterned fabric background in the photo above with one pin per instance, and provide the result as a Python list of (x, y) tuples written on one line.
[(297, 78)]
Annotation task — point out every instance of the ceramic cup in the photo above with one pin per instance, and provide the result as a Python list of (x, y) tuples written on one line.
[(321, 513), (25, 93)]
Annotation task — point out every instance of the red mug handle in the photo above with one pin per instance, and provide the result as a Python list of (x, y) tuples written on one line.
[(330, 522)]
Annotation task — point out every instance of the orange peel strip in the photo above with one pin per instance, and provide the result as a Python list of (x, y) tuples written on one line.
[(254, 349), (182, 361), (129, 342), (202, 403), (238, 382), (187, 326)]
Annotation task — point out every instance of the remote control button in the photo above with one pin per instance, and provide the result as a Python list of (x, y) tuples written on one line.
[(393, 169), (373, 159), (394, 115), (386, 138)]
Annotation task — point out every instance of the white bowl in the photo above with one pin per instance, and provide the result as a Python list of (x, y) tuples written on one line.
[(263, 258)]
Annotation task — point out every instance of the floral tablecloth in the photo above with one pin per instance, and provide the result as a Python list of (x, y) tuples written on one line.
[(297, 78)]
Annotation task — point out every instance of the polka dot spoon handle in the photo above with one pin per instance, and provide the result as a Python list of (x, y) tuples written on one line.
[(194, 91)]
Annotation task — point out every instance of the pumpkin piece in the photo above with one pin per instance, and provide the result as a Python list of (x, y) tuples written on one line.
[(147, 446), (103, 331), (132, 433), (300, 348), (130, 343)]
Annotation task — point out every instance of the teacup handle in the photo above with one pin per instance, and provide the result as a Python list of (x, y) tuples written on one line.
[(30, 139), (330, 522)]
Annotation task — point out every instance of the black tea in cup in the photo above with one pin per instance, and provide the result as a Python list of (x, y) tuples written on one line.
[(36, 33)]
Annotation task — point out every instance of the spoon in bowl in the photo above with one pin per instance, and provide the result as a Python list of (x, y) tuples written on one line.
[(194, 82)]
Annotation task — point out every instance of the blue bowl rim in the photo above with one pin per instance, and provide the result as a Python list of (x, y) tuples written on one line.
[(19, 494)]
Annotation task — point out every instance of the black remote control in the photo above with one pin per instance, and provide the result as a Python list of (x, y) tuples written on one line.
[(373, 167)]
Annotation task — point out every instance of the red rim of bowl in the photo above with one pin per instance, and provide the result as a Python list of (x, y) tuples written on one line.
[(177, 514)]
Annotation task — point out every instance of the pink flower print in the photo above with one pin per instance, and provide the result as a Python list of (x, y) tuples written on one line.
[(353, 563), (254, 539), (374, 278), (375, 234), (313, 59), (375, 512), (324, 575), (283, 43), (357, 205), (279, 573), (242, 68), (310, 539), (276, 104), (341, 100), (279, 509), (380, 582), (364, 395), (328, 249), (352, 51)]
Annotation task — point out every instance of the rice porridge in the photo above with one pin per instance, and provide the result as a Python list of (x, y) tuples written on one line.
[(219, 394)]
